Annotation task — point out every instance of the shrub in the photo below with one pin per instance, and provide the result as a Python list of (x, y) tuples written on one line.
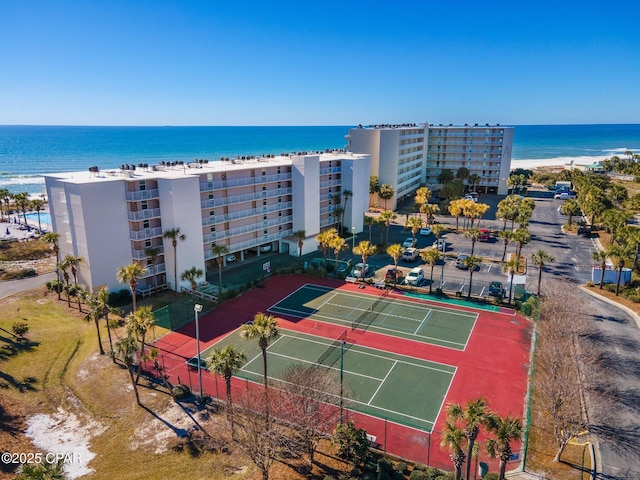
[(401, 468), (419, 475), (20, 329), (420, 466), (180, 392), (590, 284), (491, 476), (433, 473)]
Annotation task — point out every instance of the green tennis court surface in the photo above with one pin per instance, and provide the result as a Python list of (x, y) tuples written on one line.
[(382, 314), (400, 389)]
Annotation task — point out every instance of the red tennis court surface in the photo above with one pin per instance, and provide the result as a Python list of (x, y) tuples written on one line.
[(495, 363)]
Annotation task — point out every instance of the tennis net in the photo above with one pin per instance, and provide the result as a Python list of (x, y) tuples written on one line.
[(332, 354), (367, 317)]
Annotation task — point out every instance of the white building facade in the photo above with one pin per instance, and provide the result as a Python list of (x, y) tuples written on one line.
[(247, 204), (408, 156)]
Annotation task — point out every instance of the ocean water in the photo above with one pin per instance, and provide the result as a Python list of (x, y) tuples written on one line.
[(28, 152)]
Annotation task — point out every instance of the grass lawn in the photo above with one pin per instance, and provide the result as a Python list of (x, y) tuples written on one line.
[(59, 372)]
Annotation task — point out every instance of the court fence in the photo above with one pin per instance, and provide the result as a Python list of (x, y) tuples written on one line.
[(406, 443)]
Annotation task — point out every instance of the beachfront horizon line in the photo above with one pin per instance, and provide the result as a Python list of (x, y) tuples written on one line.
[(348, 125)]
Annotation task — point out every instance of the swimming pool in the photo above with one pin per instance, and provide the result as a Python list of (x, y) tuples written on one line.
[(45, 219)]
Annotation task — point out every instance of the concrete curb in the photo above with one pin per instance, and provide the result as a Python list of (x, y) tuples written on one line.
[(624, 308)]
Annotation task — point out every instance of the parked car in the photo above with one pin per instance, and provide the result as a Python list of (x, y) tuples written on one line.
[(410, 254), (230, 258), (484, 235), (344, 267), (414, 277), (564, 195), (409, 242), (471, 197), (440, 244), (393, 274), (358, 270), (496, 289), (425, 231), (461, 261)]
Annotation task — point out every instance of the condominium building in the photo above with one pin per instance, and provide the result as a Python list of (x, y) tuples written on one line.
[(250, 205), (408, 156)]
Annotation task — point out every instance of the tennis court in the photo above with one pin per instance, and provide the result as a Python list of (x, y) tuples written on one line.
[(382, 314), (394, 387)]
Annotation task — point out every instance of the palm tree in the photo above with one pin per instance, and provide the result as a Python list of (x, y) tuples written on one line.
[(431, 257), (102, 299), (386, 193), (347, 194), (338, 212), (507, 236), (474, 235), (453, 439), (95, 313), (226, 362), (138, 323), (125, 350), (72, 262), (601, 256), (300, 235), (264, 328), (63, 267), (521, 237), (415, 224), (474, 180), (153, 253), (504, 430), (386, 218), (219, 251), (473, 415), (369, 221), (395, 251), (191, 275), (510, 268), (174, 235), (324, 239), (338, 244), (540, 259), (21, 200), (131, 274), (37, 204), (622, 252), (52, 239), (4, 193), (365, 250), (472, 262), (570, 208)]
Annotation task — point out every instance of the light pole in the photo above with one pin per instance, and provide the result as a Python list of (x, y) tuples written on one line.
[(197, 308), (444, 247), (353, 238)]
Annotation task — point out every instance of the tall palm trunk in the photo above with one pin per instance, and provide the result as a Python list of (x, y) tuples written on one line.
[(106, 319), (227, 381), (266, 388), (504, 253), (431, 279), (539, 278), (134, 383), (620, 267), (141, 358), (602, 267), (96, 320), (470, 282), (175, 264), (74, 272)]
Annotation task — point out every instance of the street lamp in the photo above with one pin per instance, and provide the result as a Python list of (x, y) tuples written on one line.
[(353, 238), (444, 248), (197, 308)]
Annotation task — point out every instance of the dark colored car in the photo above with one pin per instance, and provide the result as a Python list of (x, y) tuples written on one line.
[(495, 289), (393, 274)]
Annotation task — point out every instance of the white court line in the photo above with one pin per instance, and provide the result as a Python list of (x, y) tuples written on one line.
[(382, 383), (326, 301), (424, 320)]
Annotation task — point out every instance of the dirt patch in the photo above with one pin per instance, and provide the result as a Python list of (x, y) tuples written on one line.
[(66, 436), (167, 425)]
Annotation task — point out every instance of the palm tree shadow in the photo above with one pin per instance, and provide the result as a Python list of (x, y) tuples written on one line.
[(180, 432)]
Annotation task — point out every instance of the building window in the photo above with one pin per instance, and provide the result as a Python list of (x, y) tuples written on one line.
[(145, 205), (266, 232), (264, 173), (279, 199), (278, 169), (212, 213), (211, 196), (212, 229), (264, 217), (143, 185), (147, 243), (264, 202), (264, 188), (146, 224)]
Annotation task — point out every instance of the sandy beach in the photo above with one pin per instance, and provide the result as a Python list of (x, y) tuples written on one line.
[(569, 163)]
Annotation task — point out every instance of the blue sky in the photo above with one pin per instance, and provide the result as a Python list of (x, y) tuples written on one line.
[(318, 63)]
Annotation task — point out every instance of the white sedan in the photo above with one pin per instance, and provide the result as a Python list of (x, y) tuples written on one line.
[(425, 231), (409, 242)]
